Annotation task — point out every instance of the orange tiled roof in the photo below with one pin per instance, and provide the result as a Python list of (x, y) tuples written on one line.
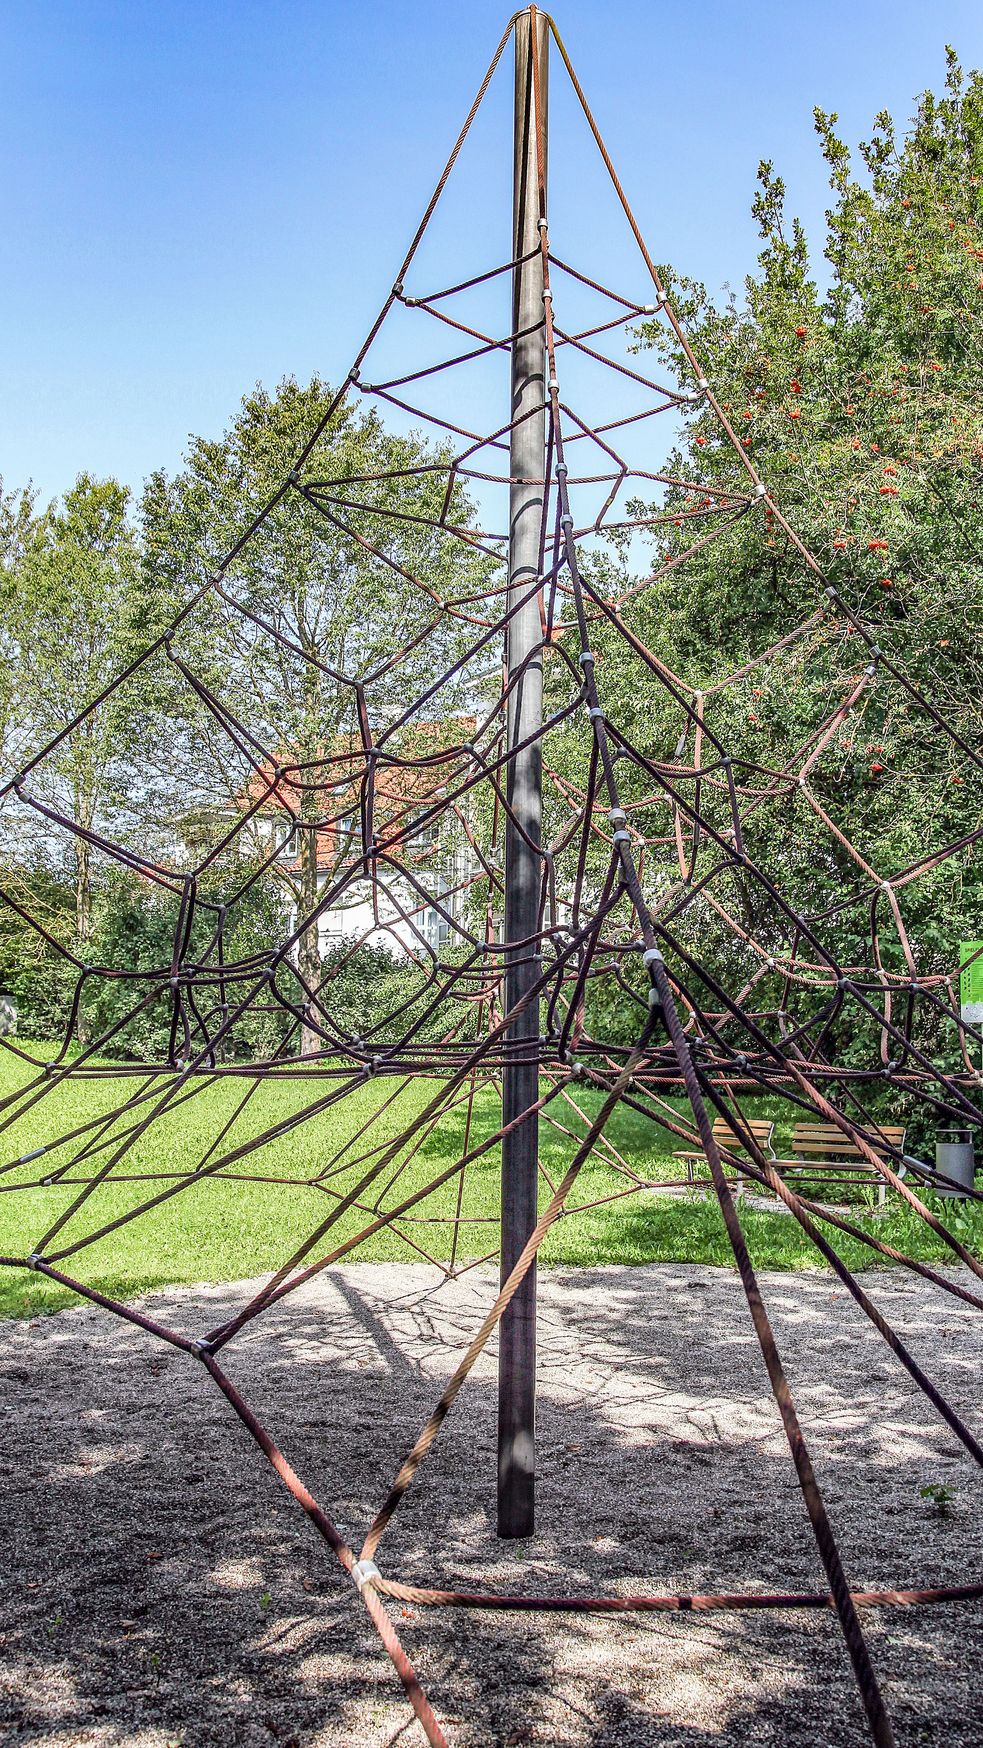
[(336, 781)]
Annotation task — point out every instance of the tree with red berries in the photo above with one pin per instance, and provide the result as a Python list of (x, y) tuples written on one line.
[(856, 392)]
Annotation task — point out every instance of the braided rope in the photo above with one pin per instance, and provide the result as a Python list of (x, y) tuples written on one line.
[(640, 845)]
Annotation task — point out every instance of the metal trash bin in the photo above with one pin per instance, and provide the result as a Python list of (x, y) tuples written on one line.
[(954, 1156)]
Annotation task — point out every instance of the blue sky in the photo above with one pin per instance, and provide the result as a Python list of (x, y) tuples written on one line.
[(197, 196)]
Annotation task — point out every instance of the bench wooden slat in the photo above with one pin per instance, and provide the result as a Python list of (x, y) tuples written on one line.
[(823, 1147), (829, 1135), (823, 1131), (818, 1140), (844, 1143)]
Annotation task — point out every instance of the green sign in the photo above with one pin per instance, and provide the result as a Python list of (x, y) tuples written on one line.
[(970, 976)]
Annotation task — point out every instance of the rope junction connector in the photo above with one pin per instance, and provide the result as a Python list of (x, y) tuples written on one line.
[(345, 782), (365, 1572)]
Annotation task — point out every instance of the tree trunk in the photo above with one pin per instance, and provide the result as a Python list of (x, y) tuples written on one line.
[(83, 891), (309, 945), (315, 741), (83, 922)]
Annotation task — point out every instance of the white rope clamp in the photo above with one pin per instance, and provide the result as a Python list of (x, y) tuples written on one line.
[(651, 956), (365, 1572), (593, 710)]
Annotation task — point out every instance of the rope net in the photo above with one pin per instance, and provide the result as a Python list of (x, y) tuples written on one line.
[(680, 963)]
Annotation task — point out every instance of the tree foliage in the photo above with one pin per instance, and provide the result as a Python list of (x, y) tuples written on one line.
[(320, 597), (853, 383), (72, 615)]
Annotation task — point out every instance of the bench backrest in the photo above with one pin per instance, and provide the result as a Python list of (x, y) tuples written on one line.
[(760, 1129), (825, 1140)]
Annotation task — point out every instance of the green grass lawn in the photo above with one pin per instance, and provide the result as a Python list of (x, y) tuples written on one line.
[(223, 1228)]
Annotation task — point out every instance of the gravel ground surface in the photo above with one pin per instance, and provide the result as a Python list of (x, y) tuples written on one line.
[(161, 1588)]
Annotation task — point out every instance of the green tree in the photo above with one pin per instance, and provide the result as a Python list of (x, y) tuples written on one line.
[(858, 400), (345, 573), (18, 529), (73, 612)]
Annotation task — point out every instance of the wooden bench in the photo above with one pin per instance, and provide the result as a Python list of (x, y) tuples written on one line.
[(822, 1154), (761, 1130)]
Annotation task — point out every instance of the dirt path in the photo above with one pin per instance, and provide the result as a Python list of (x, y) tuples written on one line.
[(160, 1588)]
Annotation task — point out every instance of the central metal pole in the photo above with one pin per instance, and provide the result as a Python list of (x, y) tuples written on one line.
[(520, 1081)]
